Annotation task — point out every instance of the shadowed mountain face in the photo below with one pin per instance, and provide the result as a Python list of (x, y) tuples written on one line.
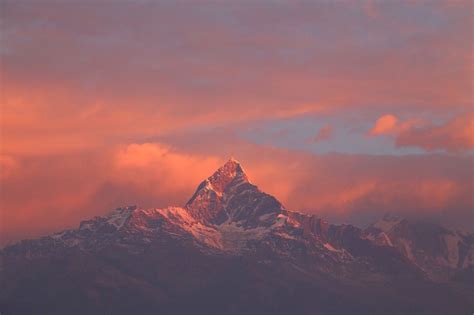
[(233, 249)]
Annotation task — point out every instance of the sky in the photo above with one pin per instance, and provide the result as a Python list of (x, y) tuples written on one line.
[(344, 109)]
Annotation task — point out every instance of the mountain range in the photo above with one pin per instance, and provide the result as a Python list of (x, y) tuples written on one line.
[(233, 249)]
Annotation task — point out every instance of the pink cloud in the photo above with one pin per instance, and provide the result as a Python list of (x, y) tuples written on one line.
[(386, 124), (8, 166), (325, 133), (455, 135)]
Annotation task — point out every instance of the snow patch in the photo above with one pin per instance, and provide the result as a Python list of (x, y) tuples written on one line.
[(118, 217), (234, 237), (202, 233), (285, 236), (330, 248)]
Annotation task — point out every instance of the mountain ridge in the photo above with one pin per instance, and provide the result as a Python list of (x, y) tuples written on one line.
[(230, 222)]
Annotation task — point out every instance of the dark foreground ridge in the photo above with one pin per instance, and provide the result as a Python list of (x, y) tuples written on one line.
[(233, 249)]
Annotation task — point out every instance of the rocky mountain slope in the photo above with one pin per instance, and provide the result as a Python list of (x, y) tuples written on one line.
[(233, 249)]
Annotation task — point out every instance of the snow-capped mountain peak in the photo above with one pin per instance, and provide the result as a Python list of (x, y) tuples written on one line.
[(228, 195), (228, 230), (230, 172)]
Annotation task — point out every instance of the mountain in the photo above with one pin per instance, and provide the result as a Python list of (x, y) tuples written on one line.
[(233, 249), (439, 252)]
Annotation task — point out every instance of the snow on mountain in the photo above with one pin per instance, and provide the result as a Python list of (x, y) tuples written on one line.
[(433, 248)]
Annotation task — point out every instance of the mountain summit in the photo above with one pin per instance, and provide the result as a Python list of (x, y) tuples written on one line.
[(233, 249), (230, 173), (229, 195)]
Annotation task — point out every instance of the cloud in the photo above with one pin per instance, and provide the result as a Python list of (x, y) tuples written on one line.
[(455, 135), (325, 133), (386, 124), (275, 71), (165, 69), (156, 170), (8, 166), (45, 194)]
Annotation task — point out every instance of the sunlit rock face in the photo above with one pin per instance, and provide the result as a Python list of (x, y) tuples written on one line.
[(208, 202), (233, 249), (228, 195)]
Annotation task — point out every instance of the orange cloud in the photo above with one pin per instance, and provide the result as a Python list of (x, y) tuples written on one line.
[(8, 165), (155, 169), (386, 124), (454, 136)]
